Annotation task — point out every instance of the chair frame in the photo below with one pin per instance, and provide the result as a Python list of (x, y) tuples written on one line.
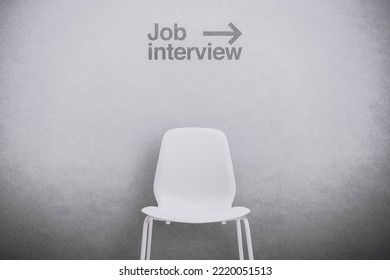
[(146, 244)]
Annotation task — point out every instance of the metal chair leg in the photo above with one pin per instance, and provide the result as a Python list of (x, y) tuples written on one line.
[(239, 238), (147, 229), (144, 237), (248, 238), (149, 244)]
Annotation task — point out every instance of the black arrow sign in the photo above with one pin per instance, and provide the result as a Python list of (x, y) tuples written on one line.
[(235, 33)]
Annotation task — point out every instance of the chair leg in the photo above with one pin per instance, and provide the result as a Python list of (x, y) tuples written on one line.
[(144, 237), (239, 238), (149, 244), (147, 229), (248, 238)]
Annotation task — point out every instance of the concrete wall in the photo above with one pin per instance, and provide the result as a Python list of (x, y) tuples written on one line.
[(305, 109)]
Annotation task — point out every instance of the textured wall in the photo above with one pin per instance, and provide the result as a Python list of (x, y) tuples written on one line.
[(306, 110)]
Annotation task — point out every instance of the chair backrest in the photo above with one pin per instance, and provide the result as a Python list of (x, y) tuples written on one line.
[(194, 170)]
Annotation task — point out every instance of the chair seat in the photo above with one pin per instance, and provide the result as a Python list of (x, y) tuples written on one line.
[(195, 217)]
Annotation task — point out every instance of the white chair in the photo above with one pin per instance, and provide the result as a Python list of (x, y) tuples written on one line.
[(194, 183)]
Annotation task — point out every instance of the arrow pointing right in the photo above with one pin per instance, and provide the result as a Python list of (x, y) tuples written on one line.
[(235, 33)]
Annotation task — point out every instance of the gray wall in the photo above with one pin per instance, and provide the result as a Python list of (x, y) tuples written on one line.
[(305, 109)]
